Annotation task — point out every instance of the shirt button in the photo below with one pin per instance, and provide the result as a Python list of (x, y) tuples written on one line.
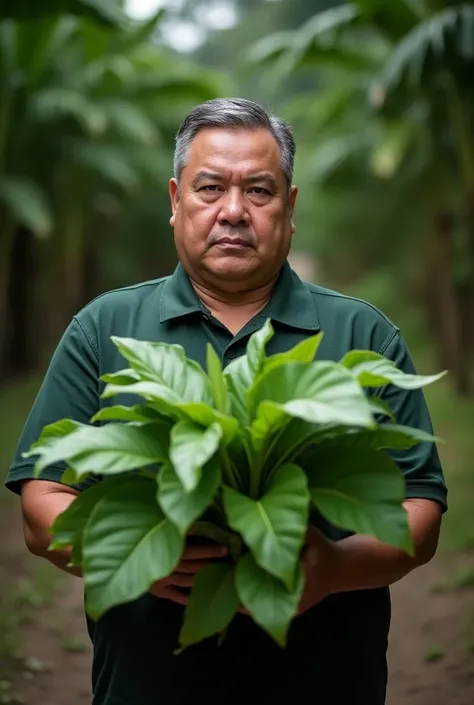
[(230, 354)]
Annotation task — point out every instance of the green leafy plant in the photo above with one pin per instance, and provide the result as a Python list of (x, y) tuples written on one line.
[(238, 456)]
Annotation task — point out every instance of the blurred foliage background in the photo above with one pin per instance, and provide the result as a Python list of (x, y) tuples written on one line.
[(381, 98)]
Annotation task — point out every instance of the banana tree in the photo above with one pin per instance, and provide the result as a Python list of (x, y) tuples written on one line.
[(108, 12), (88, 113), (403, 112)]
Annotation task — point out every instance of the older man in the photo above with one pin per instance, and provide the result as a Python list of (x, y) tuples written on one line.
[(232, 203)]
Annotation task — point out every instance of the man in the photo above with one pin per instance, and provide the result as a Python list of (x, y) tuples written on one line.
[(232, 204)]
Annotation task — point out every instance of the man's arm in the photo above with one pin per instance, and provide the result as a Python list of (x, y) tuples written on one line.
[(364, 563), (41, 503)]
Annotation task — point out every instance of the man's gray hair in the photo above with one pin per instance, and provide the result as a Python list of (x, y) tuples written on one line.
[(234, 114)]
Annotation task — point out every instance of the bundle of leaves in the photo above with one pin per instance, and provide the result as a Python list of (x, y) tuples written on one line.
[(240, 456)]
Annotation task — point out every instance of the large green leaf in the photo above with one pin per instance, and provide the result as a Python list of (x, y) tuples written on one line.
[(127, 376), (274, 526), (139, 413), (128, 544), (166, 401), (305, 351), (69, 526), (177, 385), (387, 436), (256, 347), (191, 447), (267, 599), (105, 450), (182, 507), (219, 391), (55, 430), (361, 490), (166, 365), (212, 604), (27, 203), (318, 392), (239, 378), (374, 370)]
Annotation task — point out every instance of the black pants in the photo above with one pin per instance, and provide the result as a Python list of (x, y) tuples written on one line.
[(336, 655)]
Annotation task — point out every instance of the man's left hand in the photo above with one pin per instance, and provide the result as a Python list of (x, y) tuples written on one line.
[(320, 562)]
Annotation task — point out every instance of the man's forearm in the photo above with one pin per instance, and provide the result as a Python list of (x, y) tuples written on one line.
[(364, 563), (42, 503)]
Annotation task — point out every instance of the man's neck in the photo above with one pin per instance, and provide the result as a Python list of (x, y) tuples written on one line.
[(234, 310)]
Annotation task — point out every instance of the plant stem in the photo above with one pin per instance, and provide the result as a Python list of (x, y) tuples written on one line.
[(255, 477), (229, 475)]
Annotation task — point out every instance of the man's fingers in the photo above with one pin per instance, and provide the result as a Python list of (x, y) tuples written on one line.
[(181, 580), (191, 567), (174, 594), (204, 552)]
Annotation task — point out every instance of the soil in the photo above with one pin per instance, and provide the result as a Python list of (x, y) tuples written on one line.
[(431, 653)]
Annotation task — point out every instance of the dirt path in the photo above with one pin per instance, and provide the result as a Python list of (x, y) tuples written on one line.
[(431, 647)]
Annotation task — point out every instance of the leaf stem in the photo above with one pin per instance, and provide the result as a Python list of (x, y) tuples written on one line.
[(229, 475)]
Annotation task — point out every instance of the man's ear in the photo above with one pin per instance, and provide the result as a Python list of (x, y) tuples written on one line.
[(174, 198), (291, 205)]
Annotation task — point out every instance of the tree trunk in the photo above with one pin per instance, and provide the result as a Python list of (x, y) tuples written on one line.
[(468, 302), (7, 239), (450, 304), (23, 354)]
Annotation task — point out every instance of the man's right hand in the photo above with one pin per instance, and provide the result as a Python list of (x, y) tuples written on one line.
[(178, 585)]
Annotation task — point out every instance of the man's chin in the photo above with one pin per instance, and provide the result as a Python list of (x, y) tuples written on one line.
[(234, 266)]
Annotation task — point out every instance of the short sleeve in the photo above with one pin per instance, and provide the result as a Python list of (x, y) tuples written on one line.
[(421, 464), (69, 390)]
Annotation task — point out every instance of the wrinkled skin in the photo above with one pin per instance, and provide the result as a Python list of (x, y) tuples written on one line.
[(232, 187)]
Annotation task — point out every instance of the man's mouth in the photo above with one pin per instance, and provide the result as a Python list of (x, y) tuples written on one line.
[(229, 241)]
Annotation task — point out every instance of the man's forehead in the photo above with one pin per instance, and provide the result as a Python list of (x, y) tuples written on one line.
[(222, 149)]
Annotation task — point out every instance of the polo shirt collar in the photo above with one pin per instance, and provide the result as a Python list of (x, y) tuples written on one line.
[(291, 303)]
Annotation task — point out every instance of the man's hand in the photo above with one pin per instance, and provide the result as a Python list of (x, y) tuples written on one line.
[(319, 560), (364, 563), (178, 585)]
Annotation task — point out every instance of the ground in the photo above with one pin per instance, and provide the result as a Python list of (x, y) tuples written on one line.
[(46, 655)]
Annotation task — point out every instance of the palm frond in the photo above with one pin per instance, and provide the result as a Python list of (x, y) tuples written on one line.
[(315, 42), (335, 157), (129, 121), (27, 204), (55, 104), (443, 37), (390, 148), (142, 32), (108, 13), (110, 162), (393, 18)]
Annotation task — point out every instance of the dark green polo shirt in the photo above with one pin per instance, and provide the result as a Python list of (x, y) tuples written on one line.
[(336, 653)]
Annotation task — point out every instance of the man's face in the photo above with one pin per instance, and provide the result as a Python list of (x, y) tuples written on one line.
[(232, 212)]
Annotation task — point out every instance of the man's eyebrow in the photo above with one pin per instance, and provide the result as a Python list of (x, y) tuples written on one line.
[(264, 177), (207, 175)]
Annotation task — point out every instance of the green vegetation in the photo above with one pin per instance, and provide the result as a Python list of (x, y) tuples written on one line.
[(17, 397), (434, 653), (242, 454)]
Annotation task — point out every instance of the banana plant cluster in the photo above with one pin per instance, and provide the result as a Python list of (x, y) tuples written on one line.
[(238, 455)]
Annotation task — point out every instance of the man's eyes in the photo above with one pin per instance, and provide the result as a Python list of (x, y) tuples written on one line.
[(257, 190)]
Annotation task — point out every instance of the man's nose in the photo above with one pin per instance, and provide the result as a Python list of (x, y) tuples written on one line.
[(233, 208)]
